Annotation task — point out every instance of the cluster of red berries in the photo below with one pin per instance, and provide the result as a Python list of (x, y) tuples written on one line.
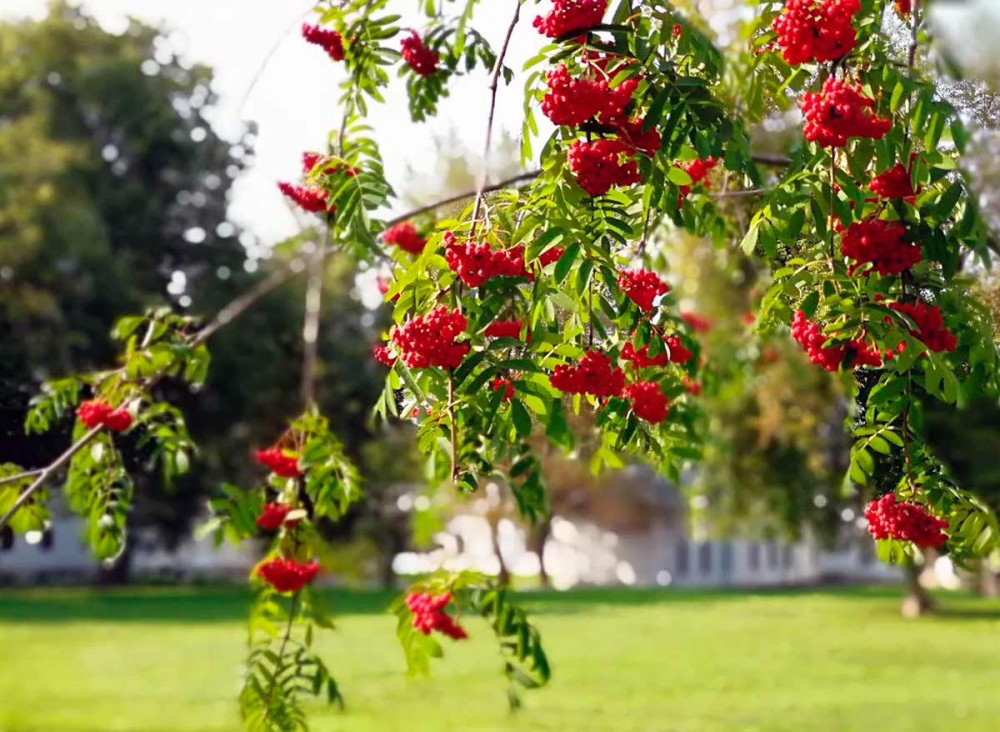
[(810, 336), (904, 7), (635, 134), (816, 30), (905, 521), (599, 166), (642, 286), (930, 327), (551, 255), (840, 111), (696, 322), (383, 355), (273, 516), (698, 170), (592, 374), (880, 242), (510, 328), (309, 198), (280, 462), (477, 263), (329, 40), (422, 59), (502, 382), (567, 16), (287, 575), (648, 401), (405, 236), (674, 352), (894, 183), (571, 101), (429, 340), (429, 615), (311, 159), (98, 413)]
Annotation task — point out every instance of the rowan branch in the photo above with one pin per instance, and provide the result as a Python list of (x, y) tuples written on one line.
[(487, 144)]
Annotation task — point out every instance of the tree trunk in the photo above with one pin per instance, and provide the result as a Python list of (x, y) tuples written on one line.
[(504, 576), (538, 536), (917, 601)]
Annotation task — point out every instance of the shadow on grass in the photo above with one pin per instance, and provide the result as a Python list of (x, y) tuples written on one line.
[(228, 604)]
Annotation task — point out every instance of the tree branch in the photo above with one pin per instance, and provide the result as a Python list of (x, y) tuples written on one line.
[(310, 326), (494, 87)]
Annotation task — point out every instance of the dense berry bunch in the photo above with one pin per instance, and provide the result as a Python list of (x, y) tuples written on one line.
[(287, 575), (280, 462), (881, 243), (329, 40), (429, 340), (383, 355), (598, 165), (273, 516), (633, 133), (422, 59), (642, 286), (96, 412), (904, 521), (904, 7), (551, 255), (429, 615), (674, 351), (572, 101), (930, 330), (894, 183), (693, 387), (405, 236), (648, 401), (840, 111), (502, 382), (696, 321), (309, 198), (567, 16), (593, 374), (510, 328), (816, 30), (698, 170), (477, 263), (810, 336)]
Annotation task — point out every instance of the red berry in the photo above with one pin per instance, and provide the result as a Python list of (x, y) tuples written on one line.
[(648, 401), (930, 327), (905, 521), (329, 40), (698, 170), (510, 328), (429, 614), (287, 575), (98, 413), (593, 374), (309, 198), (642, 286), (429, 340), (696, 322), (881, 243), (840, 111), (810, 336), (894, 183), (383, 355), (475, 264), (273, 516), (816, 30), (567, 16), (551, 255), (501, 382), (280, 462), (599, 166), (420, 58), (405, 236)]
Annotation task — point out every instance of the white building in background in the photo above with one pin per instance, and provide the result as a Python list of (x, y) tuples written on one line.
[(633, 531)]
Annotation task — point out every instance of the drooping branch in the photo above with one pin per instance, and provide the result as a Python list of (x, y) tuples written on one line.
[(488, 143)]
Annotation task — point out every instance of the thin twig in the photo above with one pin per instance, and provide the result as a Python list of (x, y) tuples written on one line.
[(487, 144), (911, 55), (47, 472), (453, 426), (281, 650), (270, 55), (19, 476)]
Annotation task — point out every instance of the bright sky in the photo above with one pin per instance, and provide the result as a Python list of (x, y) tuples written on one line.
[(294, 99)]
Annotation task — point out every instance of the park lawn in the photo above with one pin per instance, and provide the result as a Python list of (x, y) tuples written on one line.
[(152, 660)]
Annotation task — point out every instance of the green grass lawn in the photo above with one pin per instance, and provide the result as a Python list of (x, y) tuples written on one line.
[(624, 661)]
